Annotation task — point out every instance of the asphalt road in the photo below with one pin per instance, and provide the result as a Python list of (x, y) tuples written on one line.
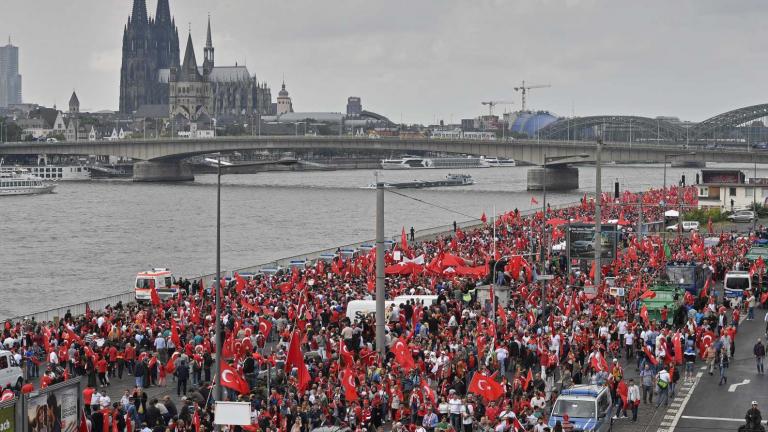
[(712, 407)]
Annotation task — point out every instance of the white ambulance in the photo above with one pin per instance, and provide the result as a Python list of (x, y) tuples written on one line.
[(159, 278)]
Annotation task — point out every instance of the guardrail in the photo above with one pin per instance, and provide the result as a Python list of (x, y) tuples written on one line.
[(128, 297)]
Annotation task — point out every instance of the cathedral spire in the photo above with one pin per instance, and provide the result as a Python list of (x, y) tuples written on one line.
[(208, 39), (139, 11), (189, 70), (208, 59), (163, 13)]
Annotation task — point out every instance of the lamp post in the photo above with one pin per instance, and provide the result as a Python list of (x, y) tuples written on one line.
[(598, 242), (754, 199)]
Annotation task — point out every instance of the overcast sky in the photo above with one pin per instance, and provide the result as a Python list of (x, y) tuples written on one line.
[(419, 60)]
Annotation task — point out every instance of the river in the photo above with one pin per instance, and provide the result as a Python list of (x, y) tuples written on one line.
[(89, 239)]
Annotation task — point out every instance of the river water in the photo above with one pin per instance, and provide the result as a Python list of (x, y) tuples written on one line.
[(89, 239)]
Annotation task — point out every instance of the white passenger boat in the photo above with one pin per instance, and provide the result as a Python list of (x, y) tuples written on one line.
[(500, 162), (59, 172), (416, 162), (14, 181)]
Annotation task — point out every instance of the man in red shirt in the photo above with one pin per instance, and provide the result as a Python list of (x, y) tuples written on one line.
[(101, 369)]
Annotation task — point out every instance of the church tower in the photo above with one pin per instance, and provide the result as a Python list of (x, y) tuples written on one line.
[(208, 61), (165, 37), (190, 92), (138, 67)]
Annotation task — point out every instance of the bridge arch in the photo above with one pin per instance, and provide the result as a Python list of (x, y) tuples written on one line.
[(729, 119), (613, 128)]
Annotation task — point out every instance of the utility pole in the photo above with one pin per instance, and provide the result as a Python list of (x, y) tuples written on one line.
[(380, 339), (598, 211), (639, 215)]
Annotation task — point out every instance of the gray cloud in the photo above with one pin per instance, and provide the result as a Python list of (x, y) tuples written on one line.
[(430, 58)]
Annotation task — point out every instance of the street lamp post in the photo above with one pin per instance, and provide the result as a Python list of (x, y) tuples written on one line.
[(217, 394), (598, 242)]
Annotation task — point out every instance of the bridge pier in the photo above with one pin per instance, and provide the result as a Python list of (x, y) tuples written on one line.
[(154, 171), (560, 177)]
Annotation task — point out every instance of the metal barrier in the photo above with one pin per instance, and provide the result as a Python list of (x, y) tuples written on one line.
[(128, 297)]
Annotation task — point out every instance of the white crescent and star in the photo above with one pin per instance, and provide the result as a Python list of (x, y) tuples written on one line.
[(225, 376), (482, 384), (263, 327)]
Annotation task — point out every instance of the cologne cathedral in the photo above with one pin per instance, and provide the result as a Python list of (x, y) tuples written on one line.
[(151, 73)]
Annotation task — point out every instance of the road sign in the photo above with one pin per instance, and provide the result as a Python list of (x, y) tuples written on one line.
[(545, 277)]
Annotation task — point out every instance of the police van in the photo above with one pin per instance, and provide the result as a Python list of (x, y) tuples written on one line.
[(588, 408)]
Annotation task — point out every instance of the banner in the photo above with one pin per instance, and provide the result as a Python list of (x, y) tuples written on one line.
[(54, 411), (8, 418), (581, 241)]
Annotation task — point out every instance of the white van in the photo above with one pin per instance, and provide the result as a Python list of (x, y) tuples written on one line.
[(10, 372), (359, 309), (736, 282), (163, 281)]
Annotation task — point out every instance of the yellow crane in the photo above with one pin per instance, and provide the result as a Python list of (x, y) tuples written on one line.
[(492, 104), (523, 89)]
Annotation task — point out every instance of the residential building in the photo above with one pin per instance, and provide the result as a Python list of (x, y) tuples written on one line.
[(729, 190)]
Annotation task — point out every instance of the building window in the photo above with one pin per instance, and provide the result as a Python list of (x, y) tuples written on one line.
[(732, 192), (704, 192)]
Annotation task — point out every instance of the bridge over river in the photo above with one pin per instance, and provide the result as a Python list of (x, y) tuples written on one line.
[(162, 160)]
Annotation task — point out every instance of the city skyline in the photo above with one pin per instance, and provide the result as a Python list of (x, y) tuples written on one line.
[(438, 61)]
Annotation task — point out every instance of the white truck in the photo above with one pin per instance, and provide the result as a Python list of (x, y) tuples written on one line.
[(10, 372)]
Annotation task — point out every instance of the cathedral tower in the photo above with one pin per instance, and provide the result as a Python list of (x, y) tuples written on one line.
[(208, 60)]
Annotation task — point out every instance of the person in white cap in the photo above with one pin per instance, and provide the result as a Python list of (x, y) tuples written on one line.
[(753, 418)]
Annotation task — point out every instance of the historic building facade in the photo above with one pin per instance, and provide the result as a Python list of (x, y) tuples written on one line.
[(149, 45), (151, 54)]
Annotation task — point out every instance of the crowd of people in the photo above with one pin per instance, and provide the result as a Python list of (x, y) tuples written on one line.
[(467, 359)]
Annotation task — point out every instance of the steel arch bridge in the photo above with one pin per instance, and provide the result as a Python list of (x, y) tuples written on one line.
[(614, 128), (729, 119)]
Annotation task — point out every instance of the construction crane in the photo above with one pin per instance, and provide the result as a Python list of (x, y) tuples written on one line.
[(492, 104), (523, 89)]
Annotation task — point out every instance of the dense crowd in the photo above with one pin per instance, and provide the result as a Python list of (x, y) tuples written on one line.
[(463, 362)]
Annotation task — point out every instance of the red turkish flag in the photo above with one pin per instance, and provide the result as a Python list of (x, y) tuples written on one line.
[(528, 380), (83, 422), (483, 218), (599, 363), (296, 358), (240, 283), (706, 339), (403, 354), (486, 387), (648, 295), (345, 353), (428, 391), (196, 419), (678, 345), (153, 294), (231, 379), (650, 355), (348, 382), (265, 326), (534, 201), (404, 240), (175, 334), (623, 392), (644, 315), (705, 289)]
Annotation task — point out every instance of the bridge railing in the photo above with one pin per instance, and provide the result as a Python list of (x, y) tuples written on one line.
[(128, 297)]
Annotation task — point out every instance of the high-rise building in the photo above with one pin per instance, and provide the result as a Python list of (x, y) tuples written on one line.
[(10, 79), (354, 106)]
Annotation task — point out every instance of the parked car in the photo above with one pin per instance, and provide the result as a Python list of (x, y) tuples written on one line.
[(760, 146), (742, 216), (687, 226)]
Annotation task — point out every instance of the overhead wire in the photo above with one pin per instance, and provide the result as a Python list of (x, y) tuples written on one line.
[(432, 204)]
